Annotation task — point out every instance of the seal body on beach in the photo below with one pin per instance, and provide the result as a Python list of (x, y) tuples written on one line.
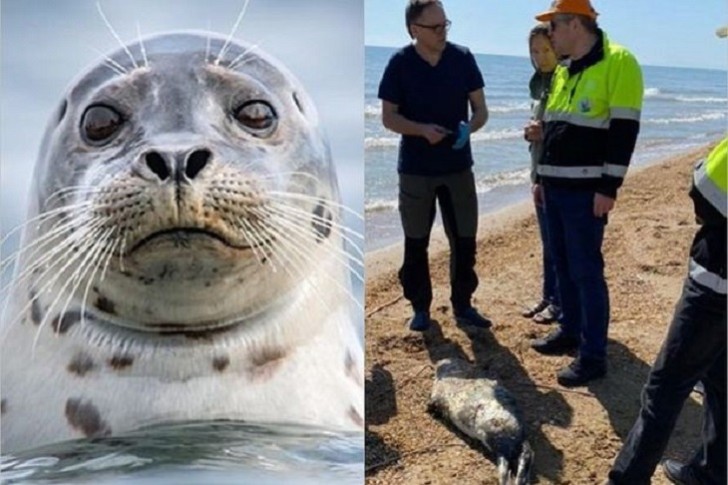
[(484, 410), (183, 256)]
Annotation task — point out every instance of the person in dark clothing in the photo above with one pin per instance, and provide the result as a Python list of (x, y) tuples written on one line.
[(426, 90), (544, 62), (590, 130), (694, 349)]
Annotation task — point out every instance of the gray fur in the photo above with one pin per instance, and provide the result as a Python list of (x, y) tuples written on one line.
[(484, 410)]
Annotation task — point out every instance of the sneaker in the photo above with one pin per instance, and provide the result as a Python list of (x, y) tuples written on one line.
[(581, 371), (470, 316), (555, 343), (420, 321), (680, 473), (547, 315)]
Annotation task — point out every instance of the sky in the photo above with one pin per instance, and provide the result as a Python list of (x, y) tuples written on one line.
[(675, 33)]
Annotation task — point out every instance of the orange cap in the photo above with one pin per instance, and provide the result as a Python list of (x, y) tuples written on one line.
[(577, 7)]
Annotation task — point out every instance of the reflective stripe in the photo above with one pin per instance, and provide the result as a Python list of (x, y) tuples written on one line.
[(582, 172), (577, 119), (709, 189), (615, 170), (625, 113), (569, 172), (705, 278)]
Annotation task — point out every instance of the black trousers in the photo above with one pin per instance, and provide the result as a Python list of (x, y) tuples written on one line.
[(694, 349), (459, 209)]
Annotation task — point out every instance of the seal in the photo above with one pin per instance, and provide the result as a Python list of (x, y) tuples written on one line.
[(183, 254), (484, 410)]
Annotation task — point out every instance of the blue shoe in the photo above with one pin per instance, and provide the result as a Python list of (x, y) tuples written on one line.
[(420, 322), (470, 316)]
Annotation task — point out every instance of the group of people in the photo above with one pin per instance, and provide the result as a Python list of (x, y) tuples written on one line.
[(587, 100)]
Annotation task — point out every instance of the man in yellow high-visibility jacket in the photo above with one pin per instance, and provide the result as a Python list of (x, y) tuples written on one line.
[(591, 126), (694, 349)]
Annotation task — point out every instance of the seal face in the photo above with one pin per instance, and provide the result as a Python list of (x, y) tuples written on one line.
[(184, 257)]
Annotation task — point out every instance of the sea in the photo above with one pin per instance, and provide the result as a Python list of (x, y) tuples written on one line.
[(682, 109)]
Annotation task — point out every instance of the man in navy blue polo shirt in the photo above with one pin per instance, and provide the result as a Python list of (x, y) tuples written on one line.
[(425, 91)]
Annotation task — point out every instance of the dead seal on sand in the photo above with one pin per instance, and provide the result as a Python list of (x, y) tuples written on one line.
[(484, 410)]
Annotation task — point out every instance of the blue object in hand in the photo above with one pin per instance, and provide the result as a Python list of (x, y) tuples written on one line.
[(462, 136)]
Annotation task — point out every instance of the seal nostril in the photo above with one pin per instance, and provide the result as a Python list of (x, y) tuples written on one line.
[(156, 164), (196, 162)]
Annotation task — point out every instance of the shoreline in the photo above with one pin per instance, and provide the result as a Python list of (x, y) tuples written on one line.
[(517, 194), (575, 433), (502, 215)]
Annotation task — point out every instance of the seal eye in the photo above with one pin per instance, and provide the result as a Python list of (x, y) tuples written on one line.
[(99, 123), (256, 116)]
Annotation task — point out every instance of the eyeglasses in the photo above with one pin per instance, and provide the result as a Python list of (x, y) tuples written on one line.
[(437, 28)]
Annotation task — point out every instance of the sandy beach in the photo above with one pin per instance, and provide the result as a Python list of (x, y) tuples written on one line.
[(575, 433)]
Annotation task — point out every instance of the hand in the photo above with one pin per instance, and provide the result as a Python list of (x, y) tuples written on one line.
[(537, 192), (533, 131), (602, 205), (462, 136), (434, 133)]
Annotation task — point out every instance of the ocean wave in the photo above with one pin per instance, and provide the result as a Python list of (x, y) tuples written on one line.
[(686, 119), (502, 179), (510, 108), (655, 93), (380, 206), (477, 137), (482, 185), (373, 110)]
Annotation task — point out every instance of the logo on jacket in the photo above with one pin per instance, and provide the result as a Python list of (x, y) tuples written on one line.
[(584, 105)]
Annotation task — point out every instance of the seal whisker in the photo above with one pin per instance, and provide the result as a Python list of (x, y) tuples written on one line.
[(312, 198), (341, 229), (249, 233), (84, 300), (39, 244), (110, 63), (302, 259), (141, 45), (89, 255), (40, 247), (232, 33), (72, 190), (207, 43), (234, 63), (60, 248), (298, 227), (76, 282), (40, 218), (294, 250), (116, 36)]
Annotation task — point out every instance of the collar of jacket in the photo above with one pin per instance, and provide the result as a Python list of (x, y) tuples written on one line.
[(595, 55)]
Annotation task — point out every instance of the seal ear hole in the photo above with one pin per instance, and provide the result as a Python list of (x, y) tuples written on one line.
[(298, 103), (321, 221), (62, 110)]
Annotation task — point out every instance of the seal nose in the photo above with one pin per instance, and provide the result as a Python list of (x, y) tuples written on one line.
[(180, 164)]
